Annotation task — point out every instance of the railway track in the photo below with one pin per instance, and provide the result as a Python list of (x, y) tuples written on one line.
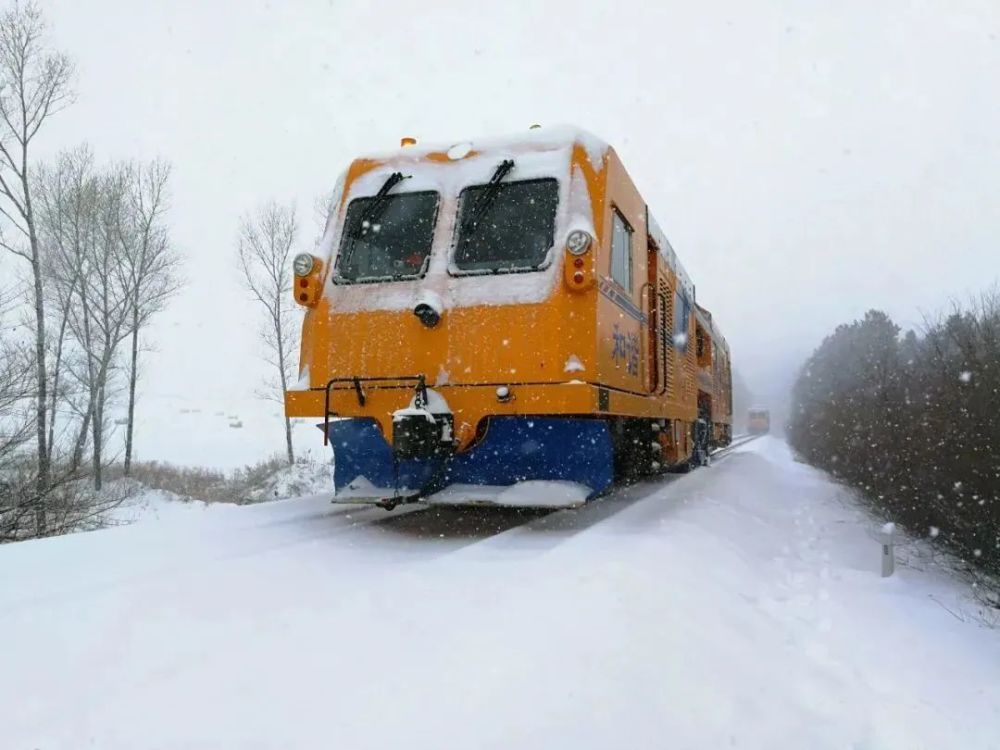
[(736, 443)]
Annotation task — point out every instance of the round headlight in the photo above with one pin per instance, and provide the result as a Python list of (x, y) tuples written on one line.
[(302, 264), (577, 242)]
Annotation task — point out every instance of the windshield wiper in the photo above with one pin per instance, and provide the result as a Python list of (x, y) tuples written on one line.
[(371, 213), (375, 208), (492, 189)]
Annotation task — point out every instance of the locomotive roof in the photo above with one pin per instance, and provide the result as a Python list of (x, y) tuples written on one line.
[(534, 139), (713, 327), (669, 255)]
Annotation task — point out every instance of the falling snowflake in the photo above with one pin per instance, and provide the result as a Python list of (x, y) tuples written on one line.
[(934, 531), (965, 376)]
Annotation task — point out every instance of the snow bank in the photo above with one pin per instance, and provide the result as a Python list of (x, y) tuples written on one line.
[(302, 478), (153, 505)]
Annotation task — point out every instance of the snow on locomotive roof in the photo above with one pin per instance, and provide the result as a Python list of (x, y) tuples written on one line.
[(534, 139), (669, 254), (712, 325)]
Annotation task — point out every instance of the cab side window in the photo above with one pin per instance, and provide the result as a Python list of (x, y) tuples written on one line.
[(621, 251), (682, 315)]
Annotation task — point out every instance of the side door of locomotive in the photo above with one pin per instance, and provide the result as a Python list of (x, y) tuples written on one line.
[(622, 326), (622, 318)]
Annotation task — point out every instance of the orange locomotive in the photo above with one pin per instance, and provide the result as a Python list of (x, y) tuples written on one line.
[(488, 316)]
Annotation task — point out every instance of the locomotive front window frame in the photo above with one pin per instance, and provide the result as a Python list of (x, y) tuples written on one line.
[(414, 229), (474, 239), (621, 250)]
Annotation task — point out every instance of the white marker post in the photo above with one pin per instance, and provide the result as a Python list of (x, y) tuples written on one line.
[(887, 538)]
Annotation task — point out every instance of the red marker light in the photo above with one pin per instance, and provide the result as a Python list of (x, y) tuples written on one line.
[(578, 277), (578, 262)]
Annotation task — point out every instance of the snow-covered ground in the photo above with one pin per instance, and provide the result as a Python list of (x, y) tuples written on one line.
[(195, 430), (737, 606)]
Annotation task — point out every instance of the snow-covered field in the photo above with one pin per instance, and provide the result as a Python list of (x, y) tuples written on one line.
[(228, 433), (738, 606)]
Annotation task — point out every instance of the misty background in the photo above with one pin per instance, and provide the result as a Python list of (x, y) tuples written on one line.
[(806, 162)]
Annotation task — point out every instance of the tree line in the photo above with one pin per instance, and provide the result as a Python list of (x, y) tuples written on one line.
[(911, 421), (95, 264)]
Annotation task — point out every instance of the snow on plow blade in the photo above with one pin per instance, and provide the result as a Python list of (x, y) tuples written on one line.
[(520, 462), (528, 494)]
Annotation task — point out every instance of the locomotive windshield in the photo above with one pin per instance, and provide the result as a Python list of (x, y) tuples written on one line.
[(513, 231), (393, 242)]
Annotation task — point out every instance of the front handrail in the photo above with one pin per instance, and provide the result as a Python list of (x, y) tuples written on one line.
[(357, 384)]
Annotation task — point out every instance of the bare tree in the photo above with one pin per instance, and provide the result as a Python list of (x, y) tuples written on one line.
[(34, 84), (86, 229), (17, 504), (323, 206), (68, 201), (150, 263), (66, 195), (264, 245), (108, 295), (15, 384)]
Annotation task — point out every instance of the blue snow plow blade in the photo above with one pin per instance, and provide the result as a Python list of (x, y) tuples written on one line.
[(514, 449)]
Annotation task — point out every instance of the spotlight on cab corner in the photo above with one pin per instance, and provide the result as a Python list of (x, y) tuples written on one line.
[(426, 314)]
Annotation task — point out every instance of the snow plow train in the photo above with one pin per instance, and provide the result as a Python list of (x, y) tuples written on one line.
[(503, 322)]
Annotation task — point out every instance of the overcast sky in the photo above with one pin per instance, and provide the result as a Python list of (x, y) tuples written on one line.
[(808, 160)]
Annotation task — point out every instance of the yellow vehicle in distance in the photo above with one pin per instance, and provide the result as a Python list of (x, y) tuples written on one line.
[(759, 421)]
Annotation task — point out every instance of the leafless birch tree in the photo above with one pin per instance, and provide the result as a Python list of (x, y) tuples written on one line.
[(66, 200), (150, 263), (264, 249)]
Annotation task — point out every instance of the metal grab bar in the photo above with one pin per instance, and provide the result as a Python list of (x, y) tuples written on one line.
[(356, 384)]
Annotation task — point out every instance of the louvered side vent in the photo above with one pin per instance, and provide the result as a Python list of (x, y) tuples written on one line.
[(666, 338), (691, 365)]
